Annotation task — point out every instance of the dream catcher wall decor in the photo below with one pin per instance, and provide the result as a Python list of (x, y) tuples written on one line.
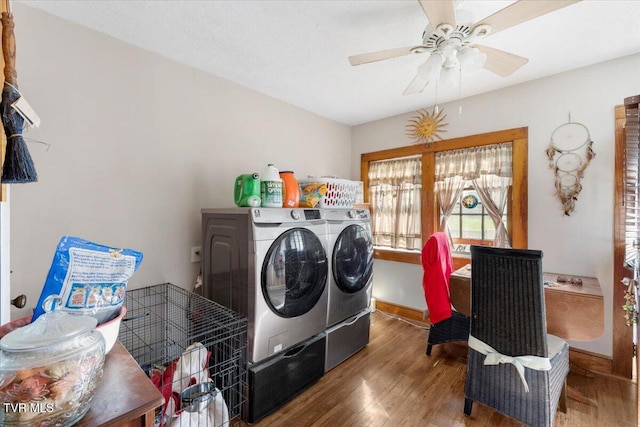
[(425, 127), (570, 152)]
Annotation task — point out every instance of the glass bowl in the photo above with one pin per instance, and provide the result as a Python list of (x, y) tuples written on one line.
[(49, 370)]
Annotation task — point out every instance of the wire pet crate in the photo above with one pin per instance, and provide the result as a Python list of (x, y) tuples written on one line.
[(193, 349)]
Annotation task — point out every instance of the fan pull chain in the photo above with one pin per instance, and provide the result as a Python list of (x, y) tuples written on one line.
[(436, 109)]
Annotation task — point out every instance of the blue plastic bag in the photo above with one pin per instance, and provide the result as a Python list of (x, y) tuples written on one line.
[(87, 278)]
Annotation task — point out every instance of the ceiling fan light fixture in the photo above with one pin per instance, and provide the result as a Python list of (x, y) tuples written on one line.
[(471, 59), (451, 61), (450, 76), (430, 69), (478, 62)]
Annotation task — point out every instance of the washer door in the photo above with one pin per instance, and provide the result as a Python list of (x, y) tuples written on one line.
[(353, 259), (294, 272)]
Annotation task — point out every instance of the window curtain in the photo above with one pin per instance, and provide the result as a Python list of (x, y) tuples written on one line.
[(489, 168), (394, 192), (449, 183)]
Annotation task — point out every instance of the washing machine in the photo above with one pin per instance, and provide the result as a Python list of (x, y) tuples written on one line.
[(271, 265), (350, 276), (350, 262)]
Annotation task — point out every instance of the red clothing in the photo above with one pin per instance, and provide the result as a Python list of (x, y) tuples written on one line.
[(437, 266)]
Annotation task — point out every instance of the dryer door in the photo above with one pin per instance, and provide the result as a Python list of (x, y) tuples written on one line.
[(352, 260), (294, 272)]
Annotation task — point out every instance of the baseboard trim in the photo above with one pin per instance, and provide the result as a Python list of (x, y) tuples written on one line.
[(593, 362), (402, 311), (583, 359)]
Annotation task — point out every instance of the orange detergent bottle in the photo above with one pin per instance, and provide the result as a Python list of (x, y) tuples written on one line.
[(291, 191)]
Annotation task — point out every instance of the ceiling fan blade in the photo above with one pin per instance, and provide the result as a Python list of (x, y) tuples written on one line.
[(500, 62), (365, 58), (439, 12), (522, 11), (417, 85)]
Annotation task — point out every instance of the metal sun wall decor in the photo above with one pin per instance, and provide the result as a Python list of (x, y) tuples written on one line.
[(426, 127), (569, 152)]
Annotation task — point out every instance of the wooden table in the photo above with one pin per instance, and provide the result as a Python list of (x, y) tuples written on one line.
[(125, 396), (573, 312)]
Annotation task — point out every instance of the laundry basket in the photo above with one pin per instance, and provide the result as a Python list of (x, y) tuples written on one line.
[(341, 193), (194, 351)]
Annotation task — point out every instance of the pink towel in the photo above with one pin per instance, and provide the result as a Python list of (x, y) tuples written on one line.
[(437, 266)]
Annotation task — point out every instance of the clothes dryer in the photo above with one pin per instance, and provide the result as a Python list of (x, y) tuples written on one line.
[(351, 262), (269, 264)]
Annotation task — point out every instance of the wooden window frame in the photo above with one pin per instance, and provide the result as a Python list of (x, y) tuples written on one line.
[(622, 346), (518, 219)]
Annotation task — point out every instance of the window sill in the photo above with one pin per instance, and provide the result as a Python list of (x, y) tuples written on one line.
[(459, 260), (397, 256)]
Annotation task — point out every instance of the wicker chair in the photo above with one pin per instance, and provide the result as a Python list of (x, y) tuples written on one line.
[(508, 315), (447, 325)]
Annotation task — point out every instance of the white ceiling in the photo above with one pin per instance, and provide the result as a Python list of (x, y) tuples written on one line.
[(296, 51)]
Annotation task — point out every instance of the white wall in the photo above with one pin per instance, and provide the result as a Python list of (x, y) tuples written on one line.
[(578, 244), (139, 144)]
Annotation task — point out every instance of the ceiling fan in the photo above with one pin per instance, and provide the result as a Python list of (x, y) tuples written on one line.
[(452, 46)]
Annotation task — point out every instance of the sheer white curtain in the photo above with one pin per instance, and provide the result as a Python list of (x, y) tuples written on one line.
[(450, 181), (492, 186), (489, 168), (394, 192)]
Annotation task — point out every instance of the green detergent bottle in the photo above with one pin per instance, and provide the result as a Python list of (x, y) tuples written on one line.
[(247, 190)]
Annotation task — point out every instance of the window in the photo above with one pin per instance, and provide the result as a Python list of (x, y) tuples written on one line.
[(509, 211), (470, 223), (488, 171), (394, 193)]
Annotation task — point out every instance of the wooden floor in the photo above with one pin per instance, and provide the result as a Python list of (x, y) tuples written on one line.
[(392, 382)]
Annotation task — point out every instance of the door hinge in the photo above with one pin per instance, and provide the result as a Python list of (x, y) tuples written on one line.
[(635, 350)]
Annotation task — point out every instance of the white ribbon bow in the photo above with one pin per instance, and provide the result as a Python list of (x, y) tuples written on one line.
[(520, 362)]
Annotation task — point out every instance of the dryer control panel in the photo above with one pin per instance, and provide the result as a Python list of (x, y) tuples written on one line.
[(311, 214), (284, 215), (346, 214)]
